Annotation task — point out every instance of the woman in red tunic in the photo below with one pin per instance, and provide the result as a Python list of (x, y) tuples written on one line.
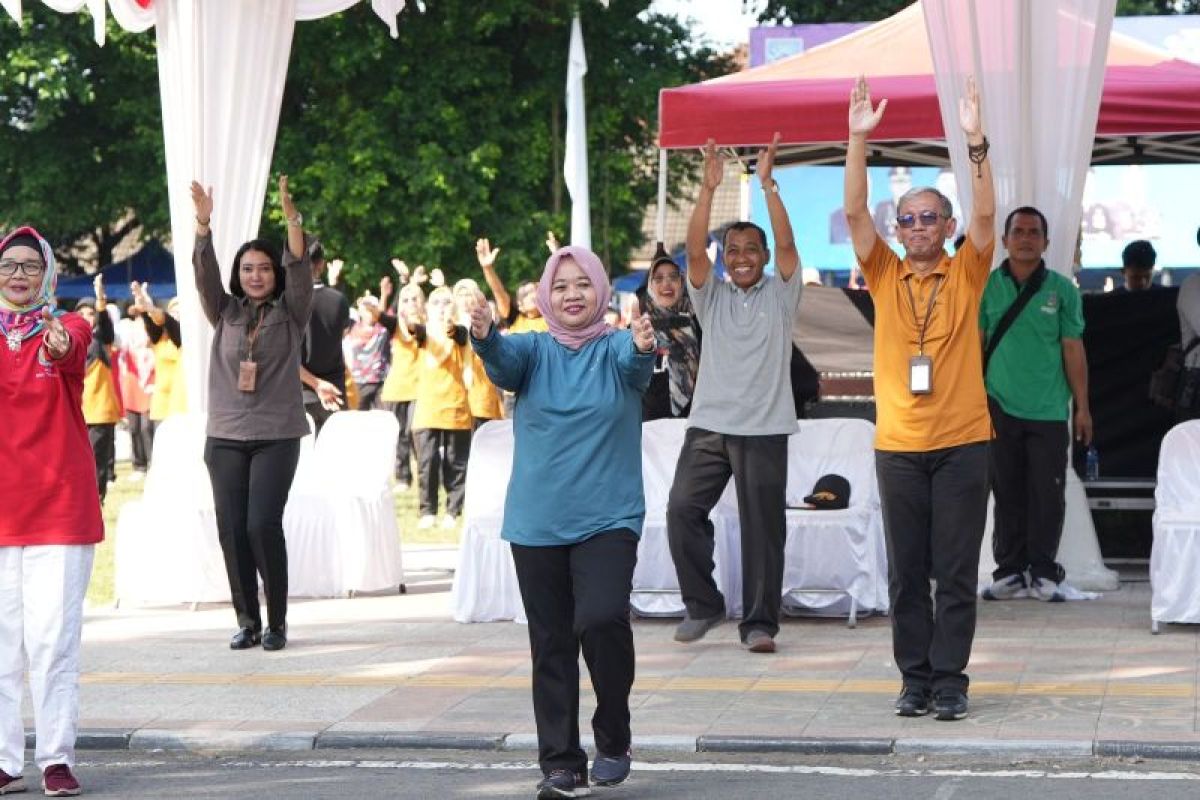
[(51, 520)]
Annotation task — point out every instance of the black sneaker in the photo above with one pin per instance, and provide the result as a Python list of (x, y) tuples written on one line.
[(611, 770), (949, 704), (912, 702), (563, 783)]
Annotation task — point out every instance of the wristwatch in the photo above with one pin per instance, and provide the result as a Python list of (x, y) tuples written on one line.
[(773, 186), (296, 220)]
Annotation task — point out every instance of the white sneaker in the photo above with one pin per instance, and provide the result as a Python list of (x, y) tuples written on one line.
[(1046, 590), (427, 521), (1005, 588), (449, 521)]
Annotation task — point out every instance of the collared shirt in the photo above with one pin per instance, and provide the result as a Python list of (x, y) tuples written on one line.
[(275, 409), (955, 412), (744, 386), (1026, 374)]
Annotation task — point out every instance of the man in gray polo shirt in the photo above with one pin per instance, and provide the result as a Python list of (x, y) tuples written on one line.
[(742, 412)]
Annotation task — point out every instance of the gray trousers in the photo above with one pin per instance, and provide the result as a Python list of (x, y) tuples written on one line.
[(934, 512), (758, 465)]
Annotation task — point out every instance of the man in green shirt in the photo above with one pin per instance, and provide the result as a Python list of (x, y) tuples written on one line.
[(1032, 371)]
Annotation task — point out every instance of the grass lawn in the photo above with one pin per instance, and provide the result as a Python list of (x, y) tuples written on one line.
[(101, 590)]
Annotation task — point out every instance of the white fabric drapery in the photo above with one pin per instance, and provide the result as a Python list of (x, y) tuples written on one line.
[(1040, 70), (575, 161)]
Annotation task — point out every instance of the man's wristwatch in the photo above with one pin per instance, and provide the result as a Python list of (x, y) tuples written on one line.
[(296, 220), (772, 186)]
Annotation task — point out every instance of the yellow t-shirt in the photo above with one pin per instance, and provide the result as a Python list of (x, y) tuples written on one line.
[(524, 324), (442, 402), (956, 411), (400, 385), (169, 386), (482, 395), (100, 403)]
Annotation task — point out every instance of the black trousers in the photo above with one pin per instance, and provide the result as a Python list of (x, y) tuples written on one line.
[(934, 512), (319, 414), (404, 444), (758, 465), (1028, 467), (141, 435), (250, 482), (368, 396), (103, 439), (578, 595), (445, 453)]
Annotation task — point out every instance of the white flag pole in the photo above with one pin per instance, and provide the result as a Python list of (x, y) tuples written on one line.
[(575, 165)]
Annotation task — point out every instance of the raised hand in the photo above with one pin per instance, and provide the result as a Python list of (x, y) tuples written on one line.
[(98, 286), (714, 164), (481, 320), (436, 278), (485, 253), (552, 242), (203, 201), (863, 117), (56, 340), (334, 268), (385, 289), (643, 333), (969, 115), (419, 275), (285, 202), (329, 395), (766, 161), (401, 269)]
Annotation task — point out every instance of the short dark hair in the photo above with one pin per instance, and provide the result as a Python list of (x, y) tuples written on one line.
[(1031, 211), (1138, 255), (316, 253), (744, 226), (272, 252)]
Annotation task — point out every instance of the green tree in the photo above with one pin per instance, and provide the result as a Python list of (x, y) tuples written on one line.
[(80, 135), (415, 147)]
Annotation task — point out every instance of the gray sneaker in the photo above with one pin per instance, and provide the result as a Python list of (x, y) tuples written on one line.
[(1005, 588), (1047, 590), (692, 629)]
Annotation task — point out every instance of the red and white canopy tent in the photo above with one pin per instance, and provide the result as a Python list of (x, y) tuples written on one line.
[(1149, 108)]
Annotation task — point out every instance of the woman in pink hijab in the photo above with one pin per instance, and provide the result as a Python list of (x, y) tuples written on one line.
[(577, 432)]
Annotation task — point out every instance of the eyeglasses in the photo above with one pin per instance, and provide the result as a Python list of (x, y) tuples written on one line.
[(927, 218), (28, 268)]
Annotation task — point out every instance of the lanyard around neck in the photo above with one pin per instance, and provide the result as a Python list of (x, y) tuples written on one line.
[(923, 324)]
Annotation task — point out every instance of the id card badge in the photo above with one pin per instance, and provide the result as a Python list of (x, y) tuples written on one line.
[(247, 375), (920, 375)]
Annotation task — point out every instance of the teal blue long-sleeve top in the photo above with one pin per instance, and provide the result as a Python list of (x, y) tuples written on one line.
[(577, 426)]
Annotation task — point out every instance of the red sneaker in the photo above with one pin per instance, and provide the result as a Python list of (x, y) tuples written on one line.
[(11, 783), (59, 782)]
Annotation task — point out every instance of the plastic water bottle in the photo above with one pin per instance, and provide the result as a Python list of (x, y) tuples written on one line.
[(1093, 463)]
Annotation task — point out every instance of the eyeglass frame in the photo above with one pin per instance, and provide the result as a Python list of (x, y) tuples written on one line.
[(926, 218), (9, 268)]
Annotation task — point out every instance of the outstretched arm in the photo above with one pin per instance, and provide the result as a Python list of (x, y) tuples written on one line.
[(982, 228), (699, 264), (486, 256), (863, 119), (787, 257)]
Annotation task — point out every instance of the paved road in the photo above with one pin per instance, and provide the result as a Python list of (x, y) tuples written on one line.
[(446, 774)]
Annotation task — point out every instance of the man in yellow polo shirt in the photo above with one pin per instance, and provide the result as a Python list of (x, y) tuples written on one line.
[(932, 431)]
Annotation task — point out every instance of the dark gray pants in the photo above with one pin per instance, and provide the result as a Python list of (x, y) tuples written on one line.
[(578, 596), (1029, 467), (141, 435), (404, 442), (442, 454), (934, 512), (103, 439), (758, 465)]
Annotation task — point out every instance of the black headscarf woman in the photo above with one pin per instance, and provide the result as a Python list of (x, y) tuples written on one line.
[(677, 336)]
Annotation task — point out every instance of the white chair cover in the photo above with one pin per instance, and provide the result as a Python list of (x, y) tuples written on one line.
[(835, 561), (340, 519), (1175, 555), (485, 584), (655, 584), (167, 549)]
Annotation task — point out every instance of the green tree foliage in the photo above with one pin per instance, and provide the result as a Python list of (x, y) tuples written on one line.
[(80, 135), (417, 146), (810, 11)]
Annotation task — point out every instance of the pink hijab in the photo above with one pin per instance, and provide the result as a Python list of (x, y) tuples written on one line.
[(589, 262)]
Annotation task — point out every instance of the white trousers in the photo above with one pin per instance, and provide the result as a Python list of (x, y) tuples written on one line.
[(41, 619)]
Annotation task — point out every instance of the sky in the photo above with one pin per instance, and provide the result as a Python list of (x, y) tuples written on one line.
[(722, 22)]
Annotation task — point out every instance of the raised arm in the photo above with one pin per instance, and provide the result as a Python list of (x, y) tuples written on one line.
[(982, 227), (506, 358), (787, 257), (699, 264), (298, 291), (487, 262), (204, 257), (104, 324), (862, 119)]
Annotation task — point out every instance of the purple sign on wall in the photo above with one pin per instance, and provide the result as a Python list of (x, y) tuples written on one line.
[(772, 42)]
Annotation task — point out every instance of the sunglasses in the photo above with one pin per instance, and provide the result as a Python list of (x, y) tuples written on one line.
[(927, 218)]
